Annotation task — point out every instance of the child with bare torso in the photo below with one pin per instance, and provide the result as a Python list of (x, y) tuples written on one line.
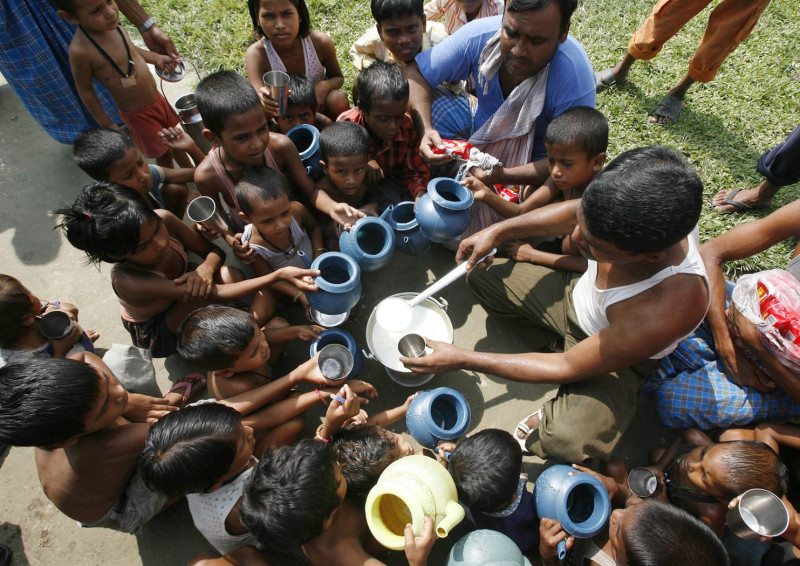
[(102, 50), (155, 284)]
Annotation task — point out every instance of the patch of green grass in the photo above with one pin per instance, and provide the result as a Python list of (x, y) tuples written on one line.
[(753, 103)]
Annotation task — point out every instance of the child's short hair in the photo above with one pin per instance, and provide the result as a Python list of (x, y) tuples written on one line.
[(44, 401), (254, 6), (302, 92), (363, 452), (388, 9), (97, 149), (579, 127), (258, 184), (215, 336), (190, 450), (290, 494), (15, 303), (381, 81), (343, 139), (486, 468), (749, 464), (105, 221), (224, 94), (664, 534), (64, 5)]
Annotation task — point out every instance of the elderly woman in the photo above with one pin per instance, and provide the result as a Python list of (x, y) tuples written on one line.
[(691, 386)]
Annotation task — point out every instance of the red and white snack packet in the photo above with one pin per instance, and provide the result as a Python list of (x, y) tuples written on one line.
[(456, 149), (771, 301), (508, 192)]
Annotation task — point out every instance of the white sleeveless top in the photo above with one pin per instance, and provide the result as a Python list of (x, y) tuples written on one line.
[(314, 69), (276, 260), (209, 511), (591, 303)]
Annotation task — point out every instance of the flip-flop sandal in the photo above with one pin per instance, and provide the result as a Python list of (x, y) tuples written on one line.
[(523, 427), (739, 205), (187, 384), (669, 108), (604, 78)]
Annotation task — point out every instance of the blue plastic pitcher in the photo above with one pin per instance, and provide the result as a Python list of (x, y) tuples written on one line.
[(370, 242), (306, 139), (579, 502), (339, 283), (439, 414), (408, 237), (443, 211)]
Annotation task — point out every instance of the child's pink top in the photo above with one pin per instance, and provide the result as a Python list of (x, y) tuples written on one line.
[(314, 69), (454, 16)]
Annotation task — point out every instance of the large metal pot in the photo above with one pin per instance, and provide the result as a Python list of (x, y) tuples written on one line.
[(429, 319)]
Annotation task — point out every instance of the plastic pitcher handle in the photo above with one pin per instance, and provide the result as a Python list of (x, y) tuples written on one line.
[(302, 255), (387, 212), (562, 549)]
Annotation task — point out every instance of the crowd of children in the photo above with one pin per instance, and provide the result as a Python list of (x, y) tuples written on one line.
[(114, 458)]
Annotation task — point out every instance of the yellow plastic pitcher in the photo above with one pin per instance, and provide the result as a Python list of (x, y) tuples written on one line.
[(407, 491)]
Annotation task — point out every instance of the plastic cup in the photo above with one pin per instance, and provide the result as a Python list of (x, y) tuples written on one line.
[(277, 82), (55, 325), (412, 346), (204, 211), (643, 482), (335, 361), (759, 513)]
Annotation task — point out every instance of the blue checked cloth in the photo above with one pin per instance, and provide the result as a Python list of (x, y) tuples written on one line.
[(691, 390), (34, 59)]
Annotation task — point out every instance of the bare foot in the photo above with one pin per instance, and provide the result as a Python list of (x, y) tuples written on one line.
[(745, 199), (520, 251)]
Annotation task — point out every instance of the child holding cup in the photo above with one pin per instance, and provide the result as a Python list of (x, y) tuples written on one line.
[(152, 277)]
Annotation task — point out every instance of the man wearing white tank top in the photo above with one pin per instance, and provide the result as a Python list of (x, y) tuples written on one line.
[(645, 290)]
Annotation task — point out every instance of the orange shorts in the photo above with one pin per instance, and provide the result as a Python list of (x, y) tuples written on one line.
[(145, 124)]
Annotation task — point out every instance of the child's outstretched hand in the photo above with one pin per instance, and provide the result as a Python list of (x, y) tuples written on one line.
[(407, 402), (345, 215), (65, 344), (146, 409), (303, 279), (308, 331), (359, 420), (418, 548), (208, 234), (241, 249), (175, 138), (478, 187), (165, 63), (338, 413), (362, 387), (550, 534)]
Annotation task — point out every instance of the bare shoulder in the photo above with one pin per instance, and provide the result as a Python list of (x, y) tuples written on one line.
[(256, 54), (206, 178), (320, 40)]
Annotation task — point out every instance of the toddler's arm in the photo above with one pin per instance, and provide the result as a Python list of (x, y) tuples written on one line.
[(389, 416), (775, 434)]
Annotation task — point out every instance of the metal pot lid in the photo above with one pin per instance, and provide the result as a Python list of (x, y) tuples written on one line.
[(175, 75)]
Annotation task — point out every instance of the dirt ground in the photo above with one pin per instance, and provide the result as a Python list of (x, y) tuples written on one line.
[(36, 176)]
